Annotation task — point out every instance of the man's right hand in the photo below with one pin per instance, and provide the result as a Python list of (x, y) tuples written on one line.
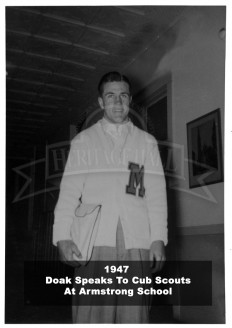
[(67, 250)]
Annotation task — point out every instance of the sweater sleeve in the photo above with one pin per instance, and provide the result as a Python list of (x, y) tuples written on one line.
[(155, 193), (71, 188)]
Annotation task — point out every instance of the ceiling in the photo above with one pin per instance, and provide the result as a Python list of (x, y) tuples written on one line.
[(55, 57)]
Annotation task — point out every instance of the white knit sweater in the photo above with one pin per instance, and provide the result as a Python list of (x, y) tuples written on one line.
[(97, 172)]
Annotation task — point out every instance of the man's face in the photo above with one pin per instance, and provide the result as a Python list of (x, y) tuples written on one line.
[(115, 101)]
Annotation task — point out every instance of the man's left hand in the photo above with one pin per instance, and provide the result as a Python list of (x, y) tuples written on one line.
[(157, 253)]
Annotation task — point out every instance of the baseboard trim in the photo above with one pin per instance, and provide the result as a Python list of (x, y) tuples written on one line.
[(211, 229)]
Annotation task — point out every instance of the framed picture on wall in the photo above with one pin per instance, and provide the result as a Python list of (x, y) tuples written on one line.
[(205, 150)]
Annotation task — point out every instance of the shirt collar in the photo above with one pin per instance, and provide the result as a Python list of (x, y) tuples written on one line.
[(108, 126)]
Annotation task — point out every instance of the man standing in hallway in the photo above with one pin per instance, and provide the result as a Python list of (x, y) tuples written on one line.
[(125, 176)]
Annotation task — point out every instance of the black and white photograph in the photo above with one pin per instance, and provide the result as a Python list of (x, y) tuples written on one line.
[(205, 150), (114, 196)]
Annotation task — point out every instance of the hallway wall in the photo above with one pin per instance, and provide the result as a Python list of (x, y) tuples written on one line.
[(193, 56)]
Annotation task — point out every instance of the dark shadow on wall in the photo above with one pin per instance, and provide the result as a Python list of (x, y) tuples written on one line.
[(20, 241)]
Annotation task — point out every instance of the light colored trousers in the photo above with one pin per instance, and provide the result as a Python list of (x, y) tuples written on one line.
[(116, 313)]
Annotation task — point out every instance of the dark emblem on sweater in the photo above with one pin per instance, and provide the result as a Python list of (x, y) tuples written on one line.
[(136, 180)]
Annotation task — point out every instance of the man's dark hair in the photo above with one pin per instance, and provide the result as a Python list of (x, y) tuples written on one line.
[(112, 77)]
